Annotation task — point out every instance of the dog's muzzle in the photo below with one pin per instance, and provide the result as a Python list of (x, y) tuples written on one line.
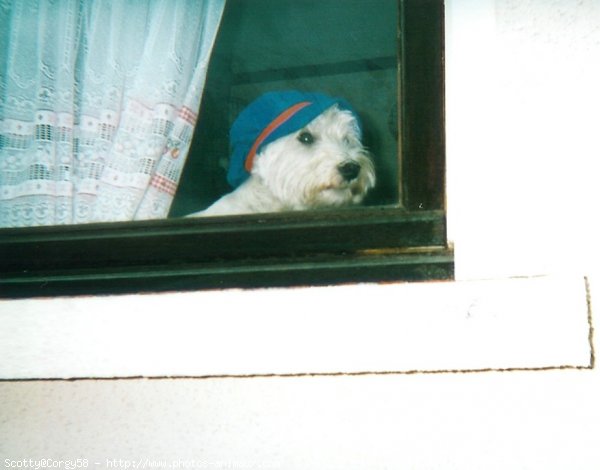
[(349, 170)]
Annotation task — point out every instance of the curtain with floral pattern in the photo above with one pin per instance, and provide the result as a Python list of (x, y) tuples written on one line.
[(98, 102)]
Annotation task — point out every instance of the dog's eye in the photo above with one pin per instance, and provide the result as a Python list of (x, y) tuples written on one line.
[(306, 138)]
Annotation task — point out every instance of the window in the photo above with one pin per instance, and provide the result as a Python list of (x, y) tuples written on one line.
[(386, 57)]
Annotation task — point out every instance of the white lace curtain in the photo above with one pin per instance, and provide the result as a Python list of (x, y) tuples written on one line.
[(98, 102)]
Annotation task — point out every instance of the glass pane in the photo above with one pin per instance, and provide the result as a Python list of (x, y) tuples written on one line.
[(342, 48)]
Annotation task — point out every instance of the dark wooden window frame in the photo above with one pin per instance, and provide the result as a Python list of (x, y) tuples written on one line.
[(369, 244)]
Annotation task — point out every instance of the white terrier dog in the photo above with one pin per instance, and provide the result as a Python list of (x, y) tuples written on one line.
[(295, 161)]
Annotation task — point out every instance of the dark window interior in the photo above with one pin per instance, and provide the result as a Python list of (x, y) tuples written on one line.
[(343, 48)]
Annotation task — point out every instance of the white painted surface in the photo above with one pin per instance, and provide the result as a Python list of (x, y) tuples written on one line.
[(522, 136), (491, 421), (518, 323)]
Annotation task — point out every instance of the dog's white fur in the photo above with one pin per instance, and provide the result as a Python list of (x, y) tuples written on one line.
[(291, 175)]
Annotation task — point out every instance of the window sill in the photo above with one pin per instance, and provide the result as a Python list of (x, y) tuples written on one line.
[(539, 323), (292, 249)]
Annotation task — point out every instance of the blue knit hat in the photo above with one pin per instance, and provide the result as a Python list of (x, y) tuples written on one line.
[(271, 116)]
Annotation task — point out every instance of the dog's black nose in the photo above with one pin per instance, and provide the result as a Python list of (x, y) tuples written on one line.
[(349, 170)]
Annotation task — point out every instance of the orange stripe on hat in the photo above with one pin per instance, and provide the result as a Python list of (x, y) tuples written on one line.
[(274, 124)]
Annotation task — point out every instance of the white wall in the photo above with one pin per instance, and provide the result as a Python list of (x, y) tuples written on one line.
[(522, 101), (522, 109)]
